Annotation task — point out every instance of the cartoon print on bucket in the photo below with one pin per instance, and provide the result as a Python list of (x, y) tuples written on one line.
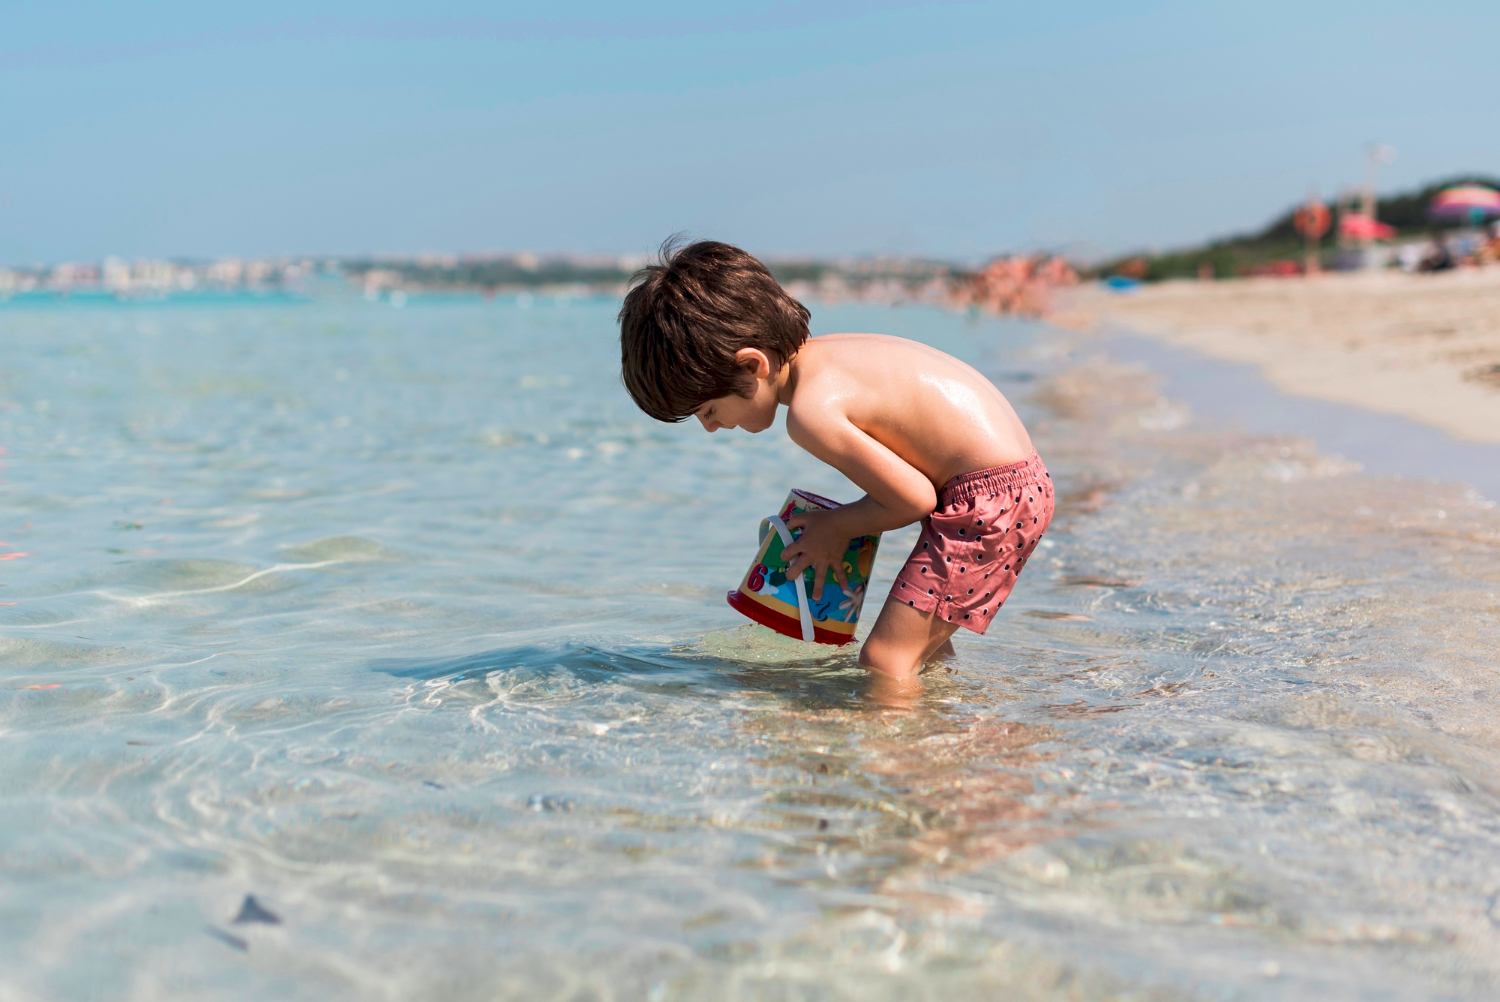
[(787, 606)]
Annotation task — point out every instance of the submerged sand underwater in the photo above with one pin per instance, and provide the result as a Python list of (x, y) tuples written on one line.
[(405, 623)]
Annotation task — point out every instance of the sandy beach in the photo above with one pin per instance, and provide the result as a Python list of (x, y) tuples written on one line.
[(1426, 347)]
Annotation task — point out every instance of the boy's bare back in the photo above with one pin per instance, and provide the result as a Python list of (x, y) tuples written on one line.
[(931, 410)]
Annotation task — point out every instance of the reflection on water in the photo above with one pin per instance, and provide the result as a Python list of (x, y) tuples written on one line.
[(404, 623)]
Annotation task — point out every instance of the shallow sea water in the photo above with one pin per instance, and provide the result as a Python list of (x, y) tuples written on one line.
[(404, 622)]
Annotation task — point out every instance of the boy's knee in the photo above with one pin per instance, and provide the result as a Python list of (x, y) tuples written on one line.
[(889, 659)]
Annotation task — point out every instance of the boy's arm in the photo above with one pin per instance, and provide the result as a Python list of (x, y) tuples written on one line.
[(896, 494)]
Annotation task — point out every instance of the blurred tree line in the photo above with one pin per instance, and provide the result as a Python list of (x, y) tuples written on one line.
[(1279, 241)]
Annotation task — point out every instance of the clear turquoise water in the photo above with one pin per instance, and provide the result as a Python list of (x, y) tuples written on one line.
[(407, 624)]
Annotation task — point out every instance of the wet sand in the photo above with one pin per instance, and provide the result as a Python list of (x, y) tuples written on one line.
[(1426, 347), (1225, 396)]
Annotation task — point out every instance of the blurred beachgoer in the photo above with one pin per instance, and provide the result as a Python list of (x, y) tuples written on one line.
[(708, 333), (1017, 284), (1409, 256), (1439, 258), (1056, 271), (1489, 251)]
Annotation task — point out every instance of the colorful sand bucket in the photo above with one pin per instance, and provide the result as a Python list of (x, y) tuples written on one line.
[(766, 596)]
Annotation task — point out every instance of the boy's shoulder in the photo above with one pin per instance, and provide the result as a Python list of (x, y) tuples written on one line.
[(836, 371), (832, 362)]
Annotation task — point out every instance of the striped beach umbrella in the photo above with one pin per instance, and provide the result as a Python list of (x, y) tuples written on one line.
[(1465, 203)]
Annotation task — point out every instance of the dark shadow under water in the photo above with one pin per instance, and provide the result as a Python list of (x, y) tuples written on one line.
[(815, 682)]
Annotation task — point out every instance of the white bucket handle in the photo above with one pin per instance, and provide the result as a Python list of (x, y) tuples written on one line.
[(797, 582)]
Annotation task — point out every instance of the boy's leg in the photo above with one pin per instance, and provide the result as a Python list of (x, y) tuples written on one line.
[(903, 639)]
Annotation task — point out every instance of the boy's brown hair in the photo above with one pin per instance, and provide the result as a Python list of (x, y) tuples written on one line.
[(685, 318)]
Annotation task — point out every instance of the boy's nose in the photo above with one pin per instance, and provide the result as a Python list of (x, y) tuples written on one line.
[(708, 425)]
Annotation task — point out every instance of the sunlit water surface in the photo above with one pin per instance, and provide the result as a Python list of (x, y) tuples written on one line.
[(406, 623)]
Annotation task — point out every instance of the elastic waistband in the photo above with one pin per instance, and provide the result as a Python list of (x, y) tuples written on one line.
[(961, 488)]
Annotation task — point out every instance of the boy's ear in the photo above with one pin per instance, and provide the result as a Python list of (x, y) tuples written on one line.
[(756, 363)]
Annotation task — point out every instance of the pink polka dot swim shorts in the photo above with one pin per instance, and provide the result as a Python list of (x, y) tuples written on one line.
[(986, 526)]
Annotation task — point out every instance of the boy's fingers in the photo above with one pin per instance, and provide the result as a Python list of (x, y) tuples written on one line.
[(819, 573), (840, 576)]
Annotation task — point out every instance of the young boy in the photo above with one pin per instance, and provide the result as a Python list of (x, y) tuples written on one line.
[(709, 333)]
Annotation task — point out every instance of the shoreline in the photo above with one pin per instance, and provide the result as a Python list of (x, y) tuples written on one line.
[(1425, 347), (1233, 396)]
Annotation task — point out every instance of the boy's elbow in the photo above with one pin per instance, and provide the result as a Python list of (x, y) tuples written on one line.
[(914, 507), (924, 503), (916, 513)]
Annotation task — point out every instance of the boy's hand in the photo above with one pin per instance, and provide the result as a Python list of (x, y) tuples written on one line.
[(821, 546)]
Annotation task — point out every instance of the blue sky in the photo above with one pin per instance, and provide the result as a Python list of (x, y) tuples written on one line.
[(947, 129)]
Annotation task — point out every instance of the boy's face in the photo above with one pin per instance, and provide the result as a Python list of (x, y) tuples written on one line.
[(753, 413)]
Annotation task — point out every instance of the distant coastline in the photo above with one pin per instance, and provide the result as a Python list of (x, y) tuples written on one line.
[(1008, 284)]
